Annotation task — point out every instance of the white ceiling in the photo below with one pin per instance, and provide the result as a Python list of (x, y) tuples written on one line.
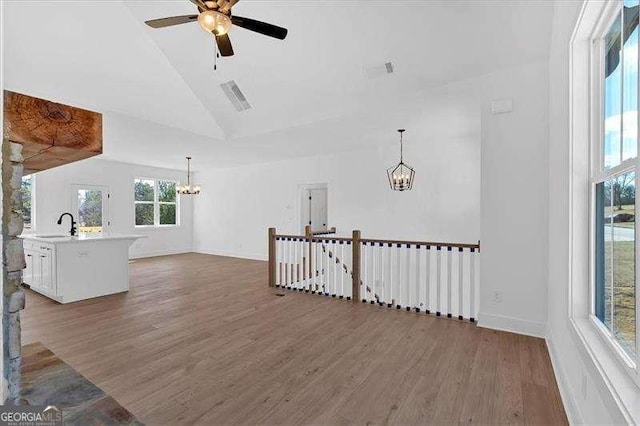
[(305, 90)]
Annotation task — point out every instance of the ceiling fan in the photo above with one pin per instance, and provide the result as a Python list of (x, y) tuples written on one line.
[(215, 18)]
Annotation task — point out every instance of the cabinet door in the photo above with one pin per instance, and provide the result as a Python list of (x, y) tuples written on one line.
[(27, 274), (46, 272), (36, 266)]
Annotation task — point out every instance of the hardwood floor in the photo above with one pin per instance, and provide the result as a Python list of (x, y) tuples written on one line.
[(202, 339)]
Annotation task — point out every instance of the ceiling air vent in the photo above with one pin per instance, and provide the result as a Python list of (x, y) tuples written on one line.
[(236, 96), (379, 70)]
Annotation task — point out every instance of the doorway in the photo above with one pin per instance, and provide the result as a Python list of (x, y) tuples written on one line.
[(314, 207), (90, 206)]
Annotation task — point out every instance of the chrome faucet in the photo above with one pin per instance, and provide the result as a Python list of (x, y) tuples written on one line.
[(73, 223)]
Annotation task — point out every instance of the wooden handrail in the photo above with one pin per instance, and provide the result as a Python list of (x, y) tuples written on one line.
[(422, 243), (315, 239), (386, 242), (302, 267)]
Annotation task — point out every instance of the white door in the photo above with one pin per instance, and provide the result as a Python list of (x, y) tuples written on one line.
[(318, 209), (90, 208)]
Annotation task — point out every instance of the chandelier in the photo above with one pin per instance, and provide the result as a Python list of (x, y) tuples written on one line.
[(188, 189), (401, 176)]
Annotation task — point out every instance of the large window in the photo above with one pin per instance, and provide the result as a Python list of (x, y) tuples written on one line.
[(614, 181), (156, 203), (28, 196)]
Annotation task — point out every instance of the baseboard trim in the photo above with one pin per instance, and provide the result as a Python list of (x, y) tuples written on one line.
[(514, 325), (159, 253), (569, 402), (215, 252)]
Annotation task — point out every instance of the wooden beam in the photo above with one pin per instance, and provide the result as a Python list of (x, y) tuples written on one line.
[(51, 134)]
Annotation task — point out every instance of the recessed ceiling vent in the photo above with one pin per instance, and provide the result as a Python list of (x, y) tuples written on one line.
[(235, 95), (379, 70)]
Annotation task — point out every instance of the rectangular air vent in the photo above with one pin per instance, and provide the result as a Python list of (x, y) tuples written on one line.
[(235, 95), (379, 70)]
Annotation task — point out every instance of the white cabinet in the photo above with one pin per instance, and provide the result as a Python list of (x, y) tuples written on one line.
[(27, 274), (40, 271), (47, 282), (68, 269)]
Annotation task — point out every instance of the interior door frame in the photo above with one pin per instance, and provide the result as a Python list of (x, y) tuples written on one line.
[(106, 218), (303, 190)]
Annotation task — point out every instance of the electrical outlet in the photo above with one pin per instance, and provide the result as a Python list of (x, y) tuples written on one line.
[(497, 296), (83, 253)]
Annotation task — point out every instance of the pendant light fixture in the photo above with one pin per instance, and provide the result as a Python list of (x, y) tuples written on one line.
[(188, 189), (401, 176)]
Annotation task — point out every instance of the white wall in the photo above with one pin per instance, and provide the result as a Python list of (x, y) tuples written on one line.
[(54, 196), (586, 395), (514, 201), (239, 204)]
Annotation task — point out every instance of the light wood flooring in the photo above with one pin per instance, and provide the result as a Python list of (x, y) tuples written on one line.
[(202, 339)]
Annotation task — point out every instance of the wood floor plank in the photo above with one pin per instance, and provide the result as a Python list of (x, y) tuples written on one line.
[(203, 340)]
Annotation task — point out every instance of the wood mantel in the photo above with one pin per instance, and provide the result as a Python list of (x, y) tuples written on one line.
[(51, 134)]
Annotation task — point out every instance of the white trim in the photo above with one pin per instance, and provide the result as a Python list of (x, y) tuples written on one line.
[(620, 391), (568, 400), (32, 227), (618, 384), (106, 199), (303, 190), (514, 325), (156, 205), (226, 253)]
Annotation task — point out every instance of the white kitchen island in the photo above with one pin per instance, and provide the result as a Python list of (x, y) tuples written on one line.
[(67, 269)]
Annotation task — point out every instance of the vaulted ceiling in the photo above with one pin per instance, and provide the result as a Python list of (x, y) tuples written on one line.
[(100, 55)]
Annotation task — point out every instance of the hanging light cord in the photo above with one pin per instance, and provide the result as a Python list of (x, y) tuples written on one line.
[(189, 171), (401, 132)]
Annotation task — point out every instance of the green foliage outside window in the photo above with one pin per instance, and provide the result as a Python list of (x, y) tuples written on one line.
[(26, 201), (148, 204)]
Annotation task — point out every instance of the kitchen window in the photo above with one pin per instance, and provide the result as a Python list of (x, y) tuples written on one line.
[(28, 191), (156, 203)]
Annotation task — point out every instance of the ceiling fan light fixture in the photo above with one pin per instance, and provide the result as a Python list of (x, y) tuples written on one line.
[(214, 22)]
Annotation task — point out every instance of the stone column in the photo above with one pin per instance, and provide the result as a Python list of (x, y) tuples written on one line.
[(12, 265)]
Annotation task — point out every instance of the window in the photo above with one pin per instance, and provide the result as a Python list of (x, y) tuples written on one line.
[(28, 205), (156, 203), (614, 180), (90, 204)]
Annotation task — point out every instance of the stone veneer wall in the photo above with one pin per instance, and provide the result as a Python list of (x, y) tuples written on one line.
[(13, 263)]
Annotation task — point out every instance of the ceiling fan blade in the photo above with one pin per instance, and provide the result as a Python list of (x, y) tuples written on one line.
[(173, 20), (224, 45), (228, 5), (260, 27)]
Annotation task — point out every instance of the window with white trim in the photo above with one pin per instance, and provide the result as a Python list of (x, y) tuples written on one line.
[(155, 202), (614, 179), (28, 202)]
